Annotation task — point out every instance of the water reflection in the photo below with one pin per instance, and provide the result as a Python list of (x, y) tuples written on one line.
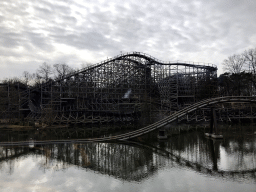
[(232, 158), (221, 158), (65, 132)]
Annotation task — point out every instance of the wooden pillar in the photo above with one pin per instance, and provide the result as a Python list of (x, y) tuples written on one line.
[(162, 134), (213, 122), (214, 131)]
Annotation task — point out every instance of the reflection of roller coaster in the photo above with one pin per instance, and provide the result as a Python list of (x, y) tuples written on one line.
[(117, 89), (138, 161)]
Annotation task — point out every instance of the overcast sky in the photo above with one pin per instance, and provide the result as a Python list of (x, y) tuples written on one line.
[(79, 32)]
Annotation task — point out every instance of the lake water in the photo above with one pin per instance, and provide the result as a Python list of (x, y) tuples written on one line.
[(185, 162)]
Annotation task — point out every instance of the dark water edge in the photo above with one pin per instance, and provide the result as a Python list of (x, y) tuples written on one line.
[(186, 161)]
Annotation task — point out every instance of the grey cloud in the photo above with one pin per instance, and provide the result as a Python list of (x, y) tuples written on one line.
[(1, 18), (11, 39), (55, 7), (66, 59), (9, 52), (69, 19), (56, 29), (158, 28), (189, 47), (13, 7), (43, 11), (89, 40), (39, 41)]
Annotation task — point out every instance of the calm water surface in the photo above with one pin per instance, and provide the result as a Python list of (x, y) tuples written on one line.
[(185, 162)]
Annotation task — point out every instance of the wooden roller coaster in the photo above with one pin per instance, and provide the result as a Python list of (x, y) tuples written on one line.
[(117, 89)]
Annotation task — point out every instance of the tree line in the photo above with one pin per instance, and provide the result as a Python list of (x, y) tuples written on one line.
[(239, 77), (44, 73)]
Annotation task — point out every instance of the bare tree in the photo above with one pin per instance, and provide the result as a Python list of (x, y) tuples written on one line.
[(44, 71), (27, 78), (250, 59), (60, 70), (37, 79), (234, 64)]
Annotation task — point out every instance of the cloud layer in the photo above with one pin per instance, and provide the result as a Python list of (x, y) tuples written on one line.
[(76, 32)]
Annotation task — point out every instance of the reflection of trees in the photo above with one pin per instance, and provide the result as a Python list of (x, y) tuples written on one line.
[(194, 148), (246, 145), (10, 155), (206, 152), (242, 150), (12, 152), (238, 154)]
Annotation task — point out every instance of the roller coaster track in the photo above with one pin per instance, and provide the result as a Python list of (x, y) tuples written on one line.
[(177, 115), (151, 61), (155, 126), (144, 56)]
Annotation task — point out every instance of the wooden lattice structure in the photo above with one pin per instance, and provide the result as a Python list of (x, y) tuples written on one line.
[(117, 89)]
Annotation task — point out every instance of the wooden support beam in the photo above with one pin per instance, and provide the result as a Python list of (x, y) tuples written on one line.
[(214, 131)]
